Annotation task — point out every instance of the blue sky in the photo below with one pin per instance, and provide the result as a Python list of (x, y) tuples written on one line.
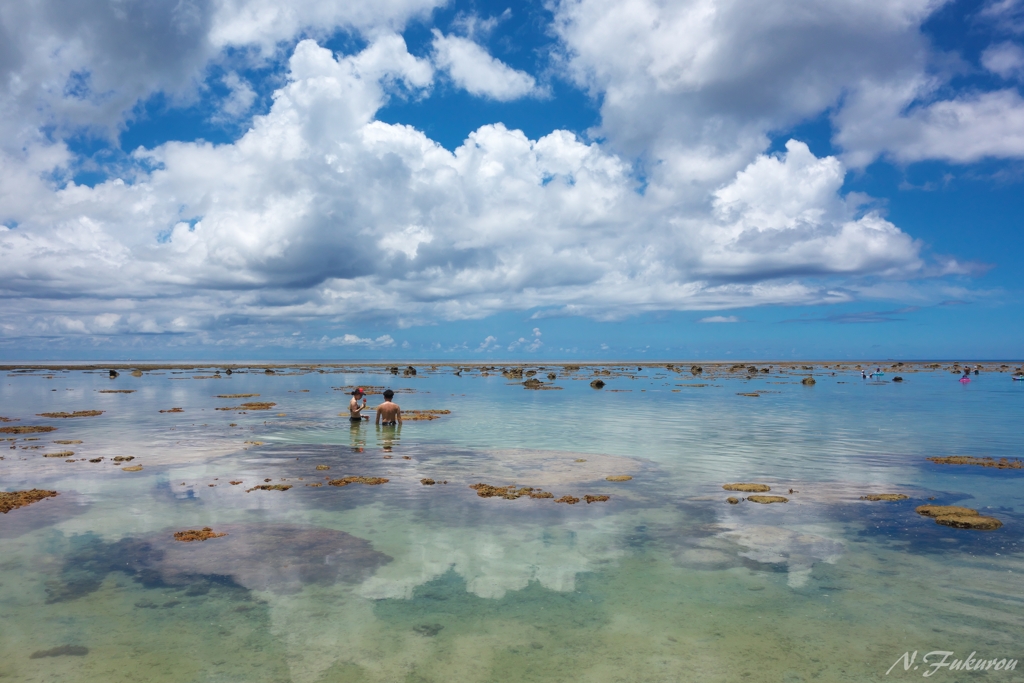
[(577, 179)]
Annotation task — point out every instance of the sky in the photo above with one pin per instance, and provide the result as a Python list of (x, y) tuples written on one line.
[(476, 181)]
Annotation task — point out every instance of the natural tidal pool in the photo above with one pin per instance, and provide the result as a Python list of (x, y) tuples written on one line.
[(329, 574)]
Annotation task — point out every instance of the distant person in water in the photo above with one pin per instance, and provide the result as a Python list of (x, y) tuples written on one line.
[(388, 413), (355, 408), (863, 375)]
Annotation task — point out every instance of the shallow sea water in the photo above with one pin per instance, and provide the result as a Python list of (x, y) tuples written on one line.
[(407, 582)]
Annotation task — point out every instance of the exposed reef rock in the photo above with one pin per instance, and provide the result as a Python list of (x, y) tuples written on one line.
[(597, 384), (884, 496), (77, 413), (595, 499), (747, 488), (270, 487), (253, 405), (12, 500), (190, 535), (323, 467), (68, 442), (765, 500), (732, 500), (123, 458), (1001, 464), (808, 381), (959, 517), (618, 477), (117, 391), (419, 415), (427, 482), (133, 468), (237, 395), (897, 379), (27, 429), (509, 492), (173, 410), (369, 481), (568, 499), (59, 454)]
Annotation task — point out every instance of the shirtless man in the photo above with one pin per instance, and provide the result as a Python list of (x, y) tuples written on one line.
[(388, 413), (355, 408)]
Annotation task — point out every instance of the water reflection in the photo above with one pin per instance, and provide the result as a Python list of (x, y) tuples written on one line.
[(388, 436)]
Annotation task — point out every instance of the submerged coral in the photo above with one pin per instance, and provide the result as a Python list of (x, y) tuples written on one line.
[(416, 415), (62, 650), (12, 500), (252, 405), (68, 442), (190, 535)]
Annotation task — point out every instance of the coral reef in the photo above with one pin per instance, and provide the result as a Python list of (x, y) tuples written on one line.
[(1001, 464), (618, 477), (568, 499), (959, 517), (123, 458), (418, 415), (237, 395), (509, 492), (747, 488), (732, 500), (59, 454), (12, 500), (77, 413), (595, 499), (323, 467), (765, 500), (884, 496), (252, 405), (190, 535), (270, 487), (808, 381), (27, 429), (427, 482), (68, 442), (173, 410), (369, 481), (133, 468), (597, 384)]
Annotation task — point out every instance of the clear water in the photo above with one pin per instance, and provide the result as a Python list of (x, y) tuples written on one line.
[(665, 581)]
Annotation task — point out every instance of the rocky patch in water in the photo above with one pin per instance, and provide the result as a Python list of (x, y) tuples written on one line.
[(27, 429), (190, 535), (418, 415), (767, 500), (747, 488), (77, 413), (12, 500), (369, 481), (1001, 464), (959, 517), (61, 651), (884, 496)]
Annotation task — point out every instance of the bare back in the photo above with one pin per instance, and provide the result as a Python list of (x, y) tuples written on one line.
[(389, 412)]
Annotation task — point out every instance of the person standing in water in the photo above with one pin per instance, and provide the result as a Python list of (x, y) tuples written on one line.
[(355, 409), (388, 413)]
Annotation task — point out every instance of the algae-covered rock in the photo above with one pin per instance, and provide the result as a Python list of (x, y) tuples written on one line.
[(27, 429), (190, 535), (976, 521), (77, 413), (808, 381), (597, 384), (12, 500), (944, 510), (269, 487), (568, 500), (595, 499), (133, 468), (747, 488), (765, 500), (884, 496), (368, 481), (1001, 464), (618, 477), (732, 500)]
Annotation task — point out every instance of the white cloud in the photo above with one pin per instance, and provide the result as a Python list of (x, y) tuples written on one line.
[(720, 319), (491, 342), (1004, 59), (240, 97), (354, 340), (478, 73)]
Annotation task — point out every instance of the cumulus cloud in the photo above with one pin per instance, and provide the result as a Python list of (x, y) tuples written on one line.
[(477, 72), (720, 319), (491, 342), (321, 211), (1004, 59)]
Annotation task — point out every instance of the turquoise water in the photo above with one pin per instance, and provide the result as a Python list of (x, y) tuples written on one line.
[(664, 581)]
